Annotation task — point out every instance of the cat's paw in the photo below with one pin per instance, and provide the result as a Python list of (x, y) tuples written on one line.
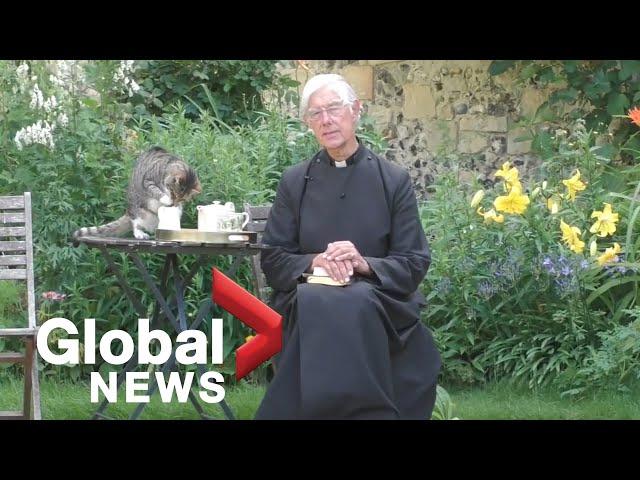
[(166, 200), (140, 235)]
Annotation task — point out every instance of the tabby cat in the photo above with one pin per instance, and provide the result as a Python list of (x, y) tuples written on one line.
[(159, 178)]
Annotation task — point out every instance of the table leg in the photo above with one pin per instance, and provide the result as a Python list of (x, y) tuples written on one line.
[(180, 286), (154, 385), (163, 308), (140, 310), (157, 308), (156, 292), (130, 365)]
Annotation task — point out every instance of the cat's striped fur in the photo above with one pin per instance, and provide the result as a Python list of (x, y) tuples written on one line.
[(159, 178)]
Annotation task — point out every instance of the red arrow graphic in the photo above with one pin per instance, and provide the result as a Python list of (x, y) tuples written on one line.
[(249, 310)]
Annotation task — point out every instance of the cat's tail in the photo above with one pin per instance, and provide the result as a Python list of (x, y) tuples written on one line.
[(112, 229)]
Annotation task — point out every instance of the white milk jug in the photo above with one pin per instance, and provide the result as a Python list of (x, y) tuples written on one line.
[(169, 218)]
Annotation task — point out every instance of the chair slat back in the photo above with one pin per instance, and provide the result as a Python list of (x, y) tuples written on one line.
[(16, 246)]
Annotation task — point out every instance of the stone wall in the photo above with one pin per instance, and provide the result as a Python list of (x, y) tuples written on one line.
[(437, 113)]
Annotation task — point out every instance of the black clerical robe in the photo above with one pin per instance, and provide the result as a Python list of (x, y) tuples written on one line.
[(358, 351)]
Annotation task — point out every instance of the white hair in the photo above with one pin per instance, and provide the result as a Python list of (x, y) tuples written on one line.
[(335, 82)]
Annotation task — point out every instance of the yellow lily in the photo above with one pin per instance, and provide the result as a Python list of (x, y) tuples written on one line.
[(477, 198), (490, 216), (609, 255), (606, 223), (574, 185), (571, 236), (514, 202)]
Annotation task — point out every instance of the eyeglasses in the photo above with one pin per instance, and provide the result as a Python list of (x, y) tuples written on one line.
[(334, 112)]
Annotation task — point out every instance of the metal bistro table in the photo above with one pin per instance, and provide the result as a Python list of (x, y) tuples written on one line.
[(173, 310)]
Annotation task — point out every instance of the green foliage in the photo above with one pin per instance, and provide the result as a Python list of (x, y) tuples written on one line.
[(596, 91), (80, 178), (12, 303), (511, 300), (615, 364), (229, 89), (443, 408), (13, 313)]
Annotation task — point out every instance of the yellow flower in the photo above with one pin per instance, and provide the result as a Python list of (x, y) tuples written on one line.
[(609, 255), (571, 236), (249, 338), (491, 215), (574, 185), (508, 186), (477, 198), (606, 223), (553, 204), (544, 185), (593, 248), (510, 175), (515, 202)]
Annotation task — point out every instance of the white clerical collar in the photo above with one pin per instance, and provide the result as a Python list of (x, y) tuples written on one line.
[(341, 164)]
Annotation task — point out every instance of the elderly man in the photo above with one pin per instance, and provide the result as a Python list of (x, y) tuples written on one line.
[(357, 350)]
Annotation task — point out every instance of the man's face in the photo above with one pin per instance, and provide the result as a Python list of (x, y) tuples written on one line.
[(332, 122)]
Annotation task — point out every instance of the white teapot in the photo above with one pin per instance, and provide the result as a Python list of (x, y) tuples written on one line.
[(216, 217), (209, 216)]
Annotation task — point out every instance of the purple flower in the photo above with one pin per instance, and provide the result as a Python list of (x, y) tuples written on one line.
[(486, 290), (566, 271)]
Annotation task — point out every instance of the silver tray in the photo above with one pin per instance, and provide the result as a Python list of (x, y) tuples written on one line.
[(193, 235)]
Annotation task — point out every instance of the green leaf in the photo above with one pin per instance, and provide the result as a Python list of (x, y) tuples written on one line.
[(500, 66), (617, 103), (609, 285), (629, 67), (565, 95), (90, 102), (544, 113), (200, 75), (471, 338), (543, 144), (547, 75), (599, 86), (607, 151), (571, 66)]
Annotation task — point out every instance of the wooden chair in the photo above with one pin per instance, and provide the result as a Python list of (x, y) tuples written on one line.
[(16, 263), (258, 215)]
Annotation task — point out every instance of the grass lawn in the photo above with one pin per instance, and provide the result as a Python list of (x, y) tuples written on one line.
[(503, 401), (65, 401), (62, 401)]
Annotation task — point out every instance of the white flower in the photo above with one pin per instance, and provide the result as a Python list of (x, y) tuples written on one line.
[(37, 100), (122, 75), (50, 104), (22, 71), (69, 75), (18, 139), (63, 119), (36, 133)]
